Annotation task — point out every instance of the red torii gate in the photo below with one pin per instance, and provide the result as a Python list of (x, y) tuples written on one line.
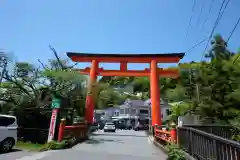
[(124, 59)]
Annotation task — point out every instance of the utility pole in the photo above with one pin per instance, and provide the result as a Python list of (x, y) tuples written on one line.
[(196, 85), (197, 92), (190, 80), (130, 113)]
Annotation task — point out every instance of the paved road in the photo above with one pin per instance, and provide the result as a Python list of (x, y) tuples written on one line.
[(15, 154), (122, 145)]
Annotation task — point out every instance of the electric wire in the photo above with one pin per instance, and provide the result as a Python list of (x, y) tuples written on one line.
[(234, 28), (209, 11), (220, 14), (200, 14), (200, 42), (199, 17), (197, 44), (190, 20), (213, 29)]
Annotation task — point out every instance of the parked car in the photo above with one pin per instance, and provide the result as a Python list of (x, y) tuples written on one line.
[(129, 126), (8, 132), (109, 127), (94, 127), (121, 126), (125, 126), (140, 127), (101, 125)]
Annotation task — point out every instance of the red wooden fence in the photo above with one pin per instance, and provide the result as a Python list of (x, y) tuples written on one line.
[(166, 136), (78, 131)]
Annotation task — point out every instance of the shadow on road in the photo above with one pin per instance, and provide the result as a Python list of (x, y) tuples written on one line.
[(121, 135), (13, 150), (98, 141)]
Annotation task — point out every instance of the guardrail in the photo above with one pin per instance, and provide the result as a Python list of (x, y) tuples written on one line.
[(225, 131), (206, 146), (166, 136), (78, 131)]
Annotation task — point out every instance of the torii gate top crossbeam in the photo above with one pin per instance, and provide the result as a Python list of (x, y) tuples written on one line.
[(130, 58)]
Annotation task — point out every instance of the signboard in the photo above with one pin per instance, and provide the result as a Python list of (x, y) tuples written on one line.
[(52, 125), (56, 103)]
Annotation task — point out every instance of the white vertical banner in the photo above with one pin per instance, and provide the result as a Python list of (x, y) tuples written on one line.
[(52, 125)]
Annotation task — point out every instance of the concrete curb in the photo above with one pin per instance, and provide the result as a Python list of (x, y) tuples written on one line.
[(154, 142)]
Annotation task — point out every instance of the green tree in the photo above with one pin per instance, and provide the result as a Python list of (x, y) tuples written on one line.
[(22, 84), (218, 82), (177, 94)]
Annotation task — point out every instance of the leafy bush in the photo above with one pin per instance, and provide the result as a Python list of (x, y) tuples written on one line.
[(236, 128), (175, 153)]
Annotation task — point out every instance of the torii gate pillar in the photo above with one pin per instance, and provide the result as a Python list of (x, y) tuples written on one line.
[(89, 105), (155, 94)]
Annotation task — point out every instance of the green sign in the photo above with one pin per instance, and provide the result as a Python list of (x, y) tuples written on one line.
[(56, 103)]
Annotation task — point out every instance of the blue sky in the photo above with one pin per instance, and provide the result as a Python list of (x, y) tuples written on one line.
[(110, 26)]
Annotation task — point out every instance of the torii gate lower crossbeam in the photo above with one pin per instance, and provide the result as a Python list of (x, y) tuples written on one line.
[(123, 59)]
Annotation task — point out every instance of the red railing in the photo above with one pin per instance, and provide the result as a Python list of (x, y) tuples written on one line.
[(78, 131), (166, 136)]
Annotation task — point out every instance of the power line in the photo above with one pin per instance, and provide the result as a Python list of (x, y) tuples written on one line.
[(200, 14), (223, 10), (209, 38), (220, 14), (200, 42), (231, 33), (190, 20), (197, 44), (209, 11)]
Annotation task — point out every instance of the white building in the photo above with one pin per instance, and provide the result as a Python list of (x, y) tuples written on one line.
[(106, 113), (138, 109), (165, 108)]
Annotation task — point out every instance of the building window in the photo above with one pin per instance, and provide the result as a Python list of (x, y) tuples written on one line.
[(143, 111), (126, 110), (121, 111), (116, 113)]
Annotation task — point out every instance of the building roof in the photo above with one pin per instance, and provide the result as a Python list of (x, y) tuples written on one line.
[(134, 102), (99, 111), (111, 108)]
